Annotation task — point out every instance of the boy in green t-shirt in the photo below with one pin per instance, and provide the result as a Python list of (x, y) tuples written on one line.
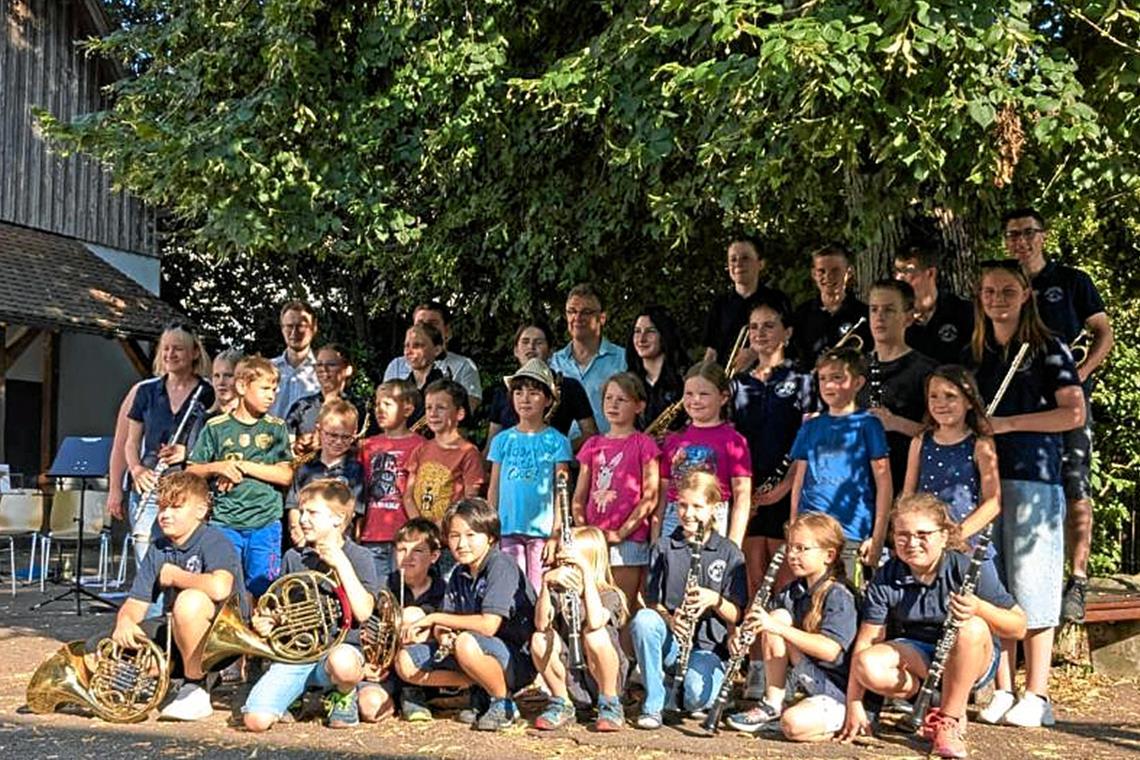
[(246, 453)]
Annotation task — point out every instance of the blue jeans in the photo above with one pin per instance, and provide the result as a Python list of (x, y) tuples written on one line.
[(260, 552), (656, 650), (384, 552)]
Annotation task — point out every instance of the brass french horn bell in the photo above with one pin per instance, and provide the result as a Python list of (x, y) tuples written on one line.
[(380, 634)]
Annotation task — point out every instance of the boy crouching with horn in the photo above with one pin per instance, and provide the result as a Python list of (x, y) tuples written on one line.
[(326, 508)]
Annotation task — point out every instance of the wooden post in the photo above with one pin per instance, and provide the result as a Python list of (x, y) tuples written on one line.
[(3, 389), (48, 414)]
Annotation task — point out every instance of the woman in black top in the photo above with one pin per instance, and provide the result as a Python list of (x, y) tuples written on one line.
[(654, 353)]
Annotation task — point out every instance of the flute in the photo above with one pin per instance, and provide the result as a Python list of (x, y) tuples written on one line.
[(950, 627), (149, 498)]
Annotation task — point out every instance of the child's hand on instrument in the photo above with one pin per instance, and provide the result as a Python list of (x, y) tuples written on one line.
[(701, 599), (416, 630), (128, 635), (962, 608), (262, 624)]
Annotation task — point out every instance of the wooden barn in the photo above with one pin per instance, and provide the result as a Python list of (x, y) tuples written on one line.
[(79, 268)]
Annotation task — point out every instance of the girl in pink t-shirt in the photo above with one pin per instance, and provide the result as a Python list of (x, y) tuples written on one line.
[(617, 487), (709, 444)]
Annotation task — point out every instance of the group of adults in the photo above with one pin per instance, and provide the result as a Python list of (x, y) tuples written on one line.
[(939, 327)]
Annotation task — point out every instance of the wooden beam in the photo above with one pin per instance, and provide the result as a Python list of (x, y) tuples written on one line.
[(50, 400), (3, 389), (20, 344), (136, 356)]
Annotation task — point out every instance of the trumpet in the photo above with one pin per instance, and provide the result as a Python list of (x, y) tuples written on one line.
[(741, 340), (850, 339)]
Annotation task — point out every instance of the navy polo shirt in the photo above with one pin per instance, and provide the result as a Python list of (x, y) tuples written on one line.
[(429, 601), (302, 416), (817, 329), (1066, 298), (839, 621), (573, 406), (913, 610), (151, 407), (1028, 456), (768, 413), (903, 384), (206, 550), (947, 332), (722, 570), (729, 313), (499, 588), (349, 471)]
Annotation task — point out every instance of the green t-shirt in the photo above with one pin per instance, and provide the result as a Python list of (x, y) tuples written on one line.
[(252, 503)]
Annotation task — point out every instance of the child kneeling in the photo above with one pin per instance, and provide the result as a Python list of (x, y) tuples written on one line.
[(911, 596), (810, 628), (482, 635), (584, 571), (326, 508)]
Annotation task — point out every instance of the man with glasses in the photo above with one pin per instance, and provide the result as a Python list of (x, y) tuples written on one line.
[(588, 357), (943, 322), (453, 366), (1069, 304), (298, 365)]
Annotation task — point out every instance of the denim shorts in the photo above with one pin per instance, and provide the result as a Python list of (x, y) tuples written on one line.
[(284, 682), (1030, 541), (1076, 459), (629, 554), (926, 650), (516, 663)]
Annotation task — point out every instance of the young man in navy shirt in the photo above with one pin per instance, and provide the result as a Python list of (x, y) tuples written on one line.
[(195, 568), (822, 321), (1068, 303), (943, 322)]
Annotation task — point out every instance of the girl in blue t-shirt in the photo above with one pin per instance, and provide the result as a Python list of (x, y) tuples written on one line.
[(524, 460), (954, 457), (810, 629)]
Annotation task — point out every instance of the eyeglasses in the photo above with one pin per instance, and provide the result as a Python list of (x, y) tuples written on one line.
[(584, 313), (336, 437), (923, 536), (796, 549), (910, 270), (1025, 234)]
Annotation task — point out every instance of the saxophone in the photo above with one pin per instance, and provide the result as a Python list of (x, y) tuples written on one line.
[(685, 621), (665, 420)]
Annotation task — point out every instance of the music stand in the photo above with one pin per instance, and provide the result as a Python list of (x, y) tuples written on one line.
[(82, 458)]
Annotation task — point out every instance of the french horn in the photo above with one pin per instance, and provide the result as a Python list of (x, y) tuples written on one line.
[(380, 633), (123, 686), (311, 616)]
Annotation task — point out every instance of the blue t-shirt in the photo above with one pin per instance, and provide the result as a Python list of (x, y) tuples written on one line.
[(913, 610), (609, 361), (839, 481), (526, 478), (1027, 456), (838, 622)]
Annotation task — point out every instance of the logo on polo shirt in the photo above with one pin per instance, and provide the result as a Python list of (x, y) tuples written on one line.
[(948, 333), (1054, 294), (716, 570), (786, 389), (194, 564)]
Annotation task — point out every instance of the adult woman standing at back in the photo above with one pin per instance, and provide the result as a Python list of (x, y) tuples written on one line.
[(655, 355)]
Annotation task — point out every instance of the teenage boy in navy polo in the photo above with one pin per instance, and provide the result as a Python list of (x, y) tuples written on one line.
[(943, 322), (1068, 303), (486, 622), (197, 568), (822, 321), (717, 602)]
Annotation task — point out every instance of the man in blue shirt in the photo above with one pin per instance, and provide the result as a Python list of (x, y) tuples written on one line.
[(1069, 304), (588, 357)]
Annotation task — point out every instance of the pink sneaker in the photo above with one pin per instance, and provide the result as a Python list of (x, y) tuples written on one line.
[(946, 735)]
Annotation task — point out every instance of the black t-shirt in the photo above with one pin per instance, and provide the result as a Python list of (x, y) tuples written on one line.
[(1027, 456), (1066, 298), (429, 601), (499, 588), (729, 313), (722, 570), (435, 373), (668, 389), (902, 393), (817, 329), (574, 405), (302, 416), (206, 550), (768, 413), (947, 332)]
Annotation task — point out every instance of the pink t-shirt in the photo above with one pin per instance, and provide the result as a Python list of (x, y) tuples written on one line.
[(616, 467), (718, 449), (385, 462)]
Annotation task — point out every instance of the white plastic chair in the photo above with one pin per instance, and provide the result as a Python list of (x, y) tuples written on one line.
[(21, 514), (63, 525)]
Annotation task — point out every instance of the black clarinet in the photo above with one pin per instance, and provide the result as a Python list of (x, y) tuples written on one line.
[(949, 634), (685, 630), (571, 602), (744, 639), (777, 475), (875, 386)]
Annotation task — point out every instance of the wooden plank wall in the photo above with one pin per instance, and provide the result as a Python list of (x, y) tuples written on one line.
[(41, 66)]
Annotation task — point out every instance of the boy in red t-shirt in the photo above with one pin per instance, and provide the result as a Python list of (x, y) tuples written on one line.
[(385, 459)]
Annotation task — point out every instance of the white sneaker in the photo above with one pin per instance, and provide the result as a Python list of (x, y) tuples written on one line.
[(191, 703), (756, 683), (997, 708), (1032, 711)]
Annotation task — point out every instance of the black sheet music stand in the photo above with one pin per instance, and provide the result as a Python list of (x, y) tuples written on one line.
[(82, 458)]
